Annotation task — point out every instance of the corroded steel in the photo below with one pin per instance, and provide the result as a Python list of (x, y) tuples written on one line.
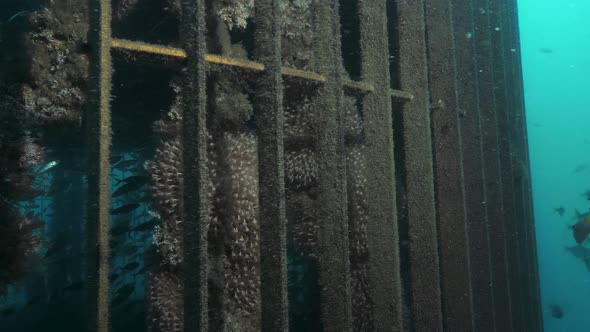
[(98, 128), (534, 307), (450, 201), (500, 41), (269, 116), (467, 104), (419, 174), (194, 150), (332, 212), (382, 225), (491, 164)]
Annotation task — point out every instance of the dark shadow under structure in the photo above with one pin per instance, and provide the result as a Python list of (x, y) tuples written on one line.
[(461, 206)]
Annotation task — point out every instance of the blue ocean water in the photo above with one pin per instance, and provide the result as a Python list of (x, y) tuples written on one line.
[(555, 45)]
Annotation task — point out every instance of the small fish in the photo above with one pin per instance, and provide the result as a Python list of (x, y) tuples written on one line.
[(55, 248), (129, 249), (32, 301), (581, 253), (580, 168), (141, 271), (131, 266), (546, 50), (145, 199), (586, 195), (125, 163), (123, 294), (125, 208), (582, 228), (127, 188), (556, 311), (7, 311), (74, 286), (16, 15), (138, 179), (47, 167), (560, 210), (116, 158), (30, 195), (146, 226), (119, 229)]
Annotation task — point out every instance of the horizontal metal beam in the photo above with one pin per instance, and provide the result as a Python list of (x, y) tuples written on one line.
[(172, 52)]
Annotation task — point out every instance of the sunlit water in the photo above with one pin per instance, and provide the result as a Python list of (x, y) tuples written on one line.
[(556, 65)]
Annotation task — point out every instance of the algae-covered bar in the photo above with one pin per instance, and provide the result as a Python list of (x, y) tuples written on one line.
[(264, 165)]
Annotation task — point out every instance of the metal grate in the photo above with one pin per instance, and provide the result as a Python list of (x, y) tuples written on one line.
[(472, 265)]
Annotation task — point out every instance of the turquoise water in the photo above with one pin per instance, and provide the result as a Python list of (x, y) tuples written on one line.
[(555, 46)]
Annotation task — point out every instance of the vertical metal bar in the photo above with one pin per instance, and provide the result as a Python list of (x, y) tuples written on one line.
[(194, 138), (518, 167), (493, 183), (419, 177), (450, 197), (382, 227), (500, 40), (467, 104), (533, 258), (269, 116), (332, 212), (98, 123)]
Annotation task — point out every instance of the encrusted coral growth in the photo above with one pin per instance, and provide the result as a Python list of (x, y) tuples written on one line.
[(31, 153), (166, 179), (59, 64), (358, 216), (19, 238), (165, 300), (303, 168), (362, 314), (233, 194), (242, 271), (235, 13), (303, 227), (301, 173), (297, 33), (357, 202)]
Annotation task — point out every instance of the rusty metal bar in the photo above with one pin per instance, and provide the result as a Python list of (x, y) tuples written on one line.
[(500, 41), (172, 52), (457, 301), (467, 104), (487, 95), (332, 211), (97, 119), (194, 138), (269, 115), (419, 174), (383, 235)]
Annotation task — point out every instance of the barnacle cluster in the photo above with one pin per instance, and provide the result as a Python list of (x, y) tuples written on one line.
[(233, 218), (301, 174), (58, 64), (234, 253), (358, 240), (165, 302)]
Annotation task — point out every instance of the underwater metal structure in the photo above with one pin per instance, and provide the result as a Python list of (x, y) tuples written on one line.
[(450, 237)]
